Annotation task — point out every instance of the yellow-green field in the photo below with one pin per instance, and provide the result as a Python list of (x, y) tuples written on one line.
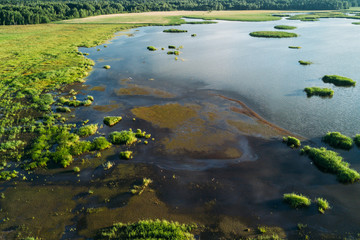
[(174, 17)]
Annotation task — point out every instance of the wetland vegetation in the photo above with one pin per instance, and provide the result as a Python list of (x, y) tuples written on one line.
[(297, 200), (338, 140), (292, 141), (273, 34), (112, 120), (285, 27), (317, 91), (305, 62), (174, 30), (339, 81)]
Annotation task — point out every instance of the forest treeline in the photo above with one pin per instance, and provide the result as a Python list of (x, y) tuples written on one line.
[(19, 12)]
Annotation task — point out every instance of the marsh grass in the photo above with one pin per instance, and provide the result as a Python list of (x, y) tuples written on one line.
[(126, 155), (112, 120), (296, 200), (317, 91), (338, 140), (330, 161), (174, 30), (294, 47), (305, 62), (139, 189), (87, 130), (285, 27), (149, 229), (273, 34), (8, 175), (151, 48), (100, 143), (123, 137), (322, 204), (338, 80), (292, 142)]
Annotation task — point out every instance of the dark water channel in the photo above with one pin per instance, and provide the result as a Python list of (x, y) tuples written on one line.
[(265, 74)]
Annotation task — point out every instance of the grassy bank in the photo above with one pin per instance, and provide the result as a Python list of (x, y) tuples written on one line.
[(38, 59), (273, 34)]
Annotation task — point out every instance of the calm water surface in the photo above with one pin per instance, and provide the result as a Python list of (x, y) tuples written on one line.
[(264, 73)]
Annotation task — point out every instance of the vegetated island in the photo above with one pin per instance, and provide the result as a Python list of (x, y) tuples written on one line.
[(317, 91), (174, 30), (294, 47), (305, 62), (330, 161), (338, 80), (285, 27), (273, 34), (151, 48), (338, 140), (296, 200)]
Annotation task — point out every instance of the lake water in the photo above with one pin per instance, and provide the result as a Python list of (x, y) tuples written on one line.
[(264, 73)]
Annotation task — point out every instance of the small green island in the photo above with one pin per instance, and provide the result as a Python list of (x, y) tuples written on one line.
[(317, 91), (273, 34), (285, 27), (151, 48), (174, 30), (338, 80), (305, 62), (297, 200), (294, 47), (338, 140)]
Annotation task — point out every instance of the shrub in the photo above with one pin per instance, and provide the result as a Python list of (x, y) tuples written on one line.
[(76, 169), (337, 140), (87, 130), (316, 91), (123, 137), (357, 140), (63, 109), (273, 34), (151, 48), (330, 161), (338, 80), (148, 229), (172, 47), (292, 141), (80, 147), (107, 66), (173, 52), (139, 189), (112, 120), (296, 200), (305, 62), (294, 47), (173, 30), (100, 143), (323, 204), (8, 175), (126, 155), (193, 35), (286, 27)]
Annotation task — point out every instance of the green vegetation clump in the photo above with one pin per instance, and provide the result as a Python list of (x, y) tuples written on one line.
[(316, 91), (193, 35), (171, 47), (139, 189), (148, 229), (173, 52), (80, 147), (8, 175), (100, 143), (294, 47), (292, 141), (296, 200), (87, 130), (322, 204), (330, 161), (338, 80), (273, 34), (63, 109), (126, 155), (112, 120), (76, 169), (338, 140), (151, 48), (173, 30), (285, 27), (201, 22), (123, 137), (107, 66), (10, 145), (305, 62), (357, 140)]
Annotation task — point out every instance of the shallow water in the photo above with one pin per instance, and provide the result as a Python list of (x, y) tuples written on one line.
[(264, 73)]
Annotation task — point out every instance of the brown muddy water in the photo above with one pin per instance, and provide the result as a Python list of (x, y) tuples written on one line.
[(213, 160)]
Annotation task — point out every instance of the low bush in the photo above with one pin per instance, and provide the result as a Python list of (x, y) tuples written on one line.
[(296, 200), (87, 130), (322, 204), (305, 62), (338, 140), (330, 161), (317, 91), (112, 120), (338, 80), (100, 143), (151, 48), (139, 189), (292, 141), (126, 155), (123, 137)]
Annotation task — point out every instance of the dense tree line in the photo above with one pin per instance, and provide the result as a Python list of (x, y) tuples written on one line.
[(14, 12)]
